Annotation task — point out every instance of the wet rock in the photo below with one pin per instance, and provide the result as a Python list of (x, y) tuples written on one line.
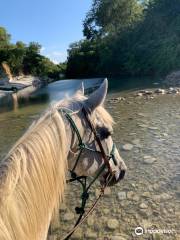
[(152, 128), (160, 91), (145, 213), (116, 100), (164, 134), (146, 92), (165, 196), (122, 98), (136, 141), (90, 221), (161, 197), (121, 195), (142, 114), (127, 147), (132, 134), (143, 125), (149, 159), (155, 186), (112, 224), (139, 94), (77, 234), (146, 194), (132, 196), (68, 216), (90, 235), (107, 191), (143, 206), (106, 211), (173, 90), (136, 198)]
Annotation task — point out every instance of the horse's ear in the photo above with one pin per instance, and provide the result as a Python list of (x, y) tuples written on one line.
[(98, 97), (81, 89)]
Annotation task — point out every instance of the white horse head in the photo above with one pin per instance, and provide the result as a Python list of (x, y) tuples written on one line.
[(91, 158)]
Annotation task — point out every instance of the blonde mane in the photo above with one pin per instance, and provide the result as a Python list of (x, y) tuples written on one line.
[(33, 174), (32, 180)]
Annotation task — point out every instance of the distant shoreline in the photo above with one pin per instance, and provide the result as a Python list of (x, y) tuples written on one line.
[(17, 84)]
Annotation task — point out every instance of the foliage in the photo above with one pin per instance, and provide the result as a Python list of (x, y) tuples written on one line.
[(4, 37), (83, 59), (111, 17), (128, 38), (26, 59)]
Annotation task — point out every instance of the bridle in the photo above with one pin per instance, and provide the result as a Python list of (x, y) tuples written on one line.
[(83, 179)]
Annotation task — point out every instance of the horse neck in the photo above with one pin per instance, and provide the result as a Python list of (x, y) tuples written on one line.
[(33, 180)]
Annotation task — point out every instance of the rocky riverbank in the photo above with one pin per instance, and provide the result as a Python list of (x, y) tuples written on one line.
[(148, 94)]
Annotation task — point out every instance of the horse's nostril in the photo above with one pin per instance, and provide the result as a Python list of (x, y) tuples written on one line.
[(122, 174), (113, 180)]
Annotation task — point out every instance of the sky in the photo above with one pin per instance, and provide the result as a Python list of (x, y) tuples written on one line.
[(55, 24)]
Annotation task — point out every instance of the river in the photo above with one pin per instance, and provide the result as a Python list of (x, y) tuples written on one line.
[(148, 137)]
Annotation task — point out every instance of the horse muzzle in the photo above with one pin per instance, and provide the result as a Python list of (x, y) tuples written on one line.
[(110, 180)]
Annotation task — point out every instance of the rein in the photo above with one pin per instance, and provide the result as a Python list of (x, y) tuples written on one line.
[(83, 179)]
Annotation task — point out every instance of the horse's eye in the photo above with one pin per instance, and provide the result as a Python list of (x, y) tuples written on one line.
[(103, 132)]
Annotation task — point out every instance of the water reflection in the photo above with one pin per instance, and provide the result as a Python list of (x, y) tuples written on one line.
[(48, 94), (134, 83)]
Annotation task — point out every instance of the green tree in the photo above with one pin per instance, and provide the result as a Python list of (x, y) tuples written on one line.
[(22, 58), (4, 38), (110, 17), (83, 59), (32, 59), (128, 38)]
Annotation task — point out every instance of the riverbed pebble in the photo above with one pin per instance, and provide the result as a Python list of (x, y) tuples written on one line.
[(77, 234), (107, 191), (90, 221), (112, 224), (68, 216), (143, 206), (127, 147), (90, 235), (149, 159), (162, 197), (121, 195), (160, 91), (136, 141), (172, 90)]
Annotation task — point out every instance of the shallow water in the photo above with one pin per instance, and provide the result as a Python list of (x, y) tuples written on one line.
[(149, 195)]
